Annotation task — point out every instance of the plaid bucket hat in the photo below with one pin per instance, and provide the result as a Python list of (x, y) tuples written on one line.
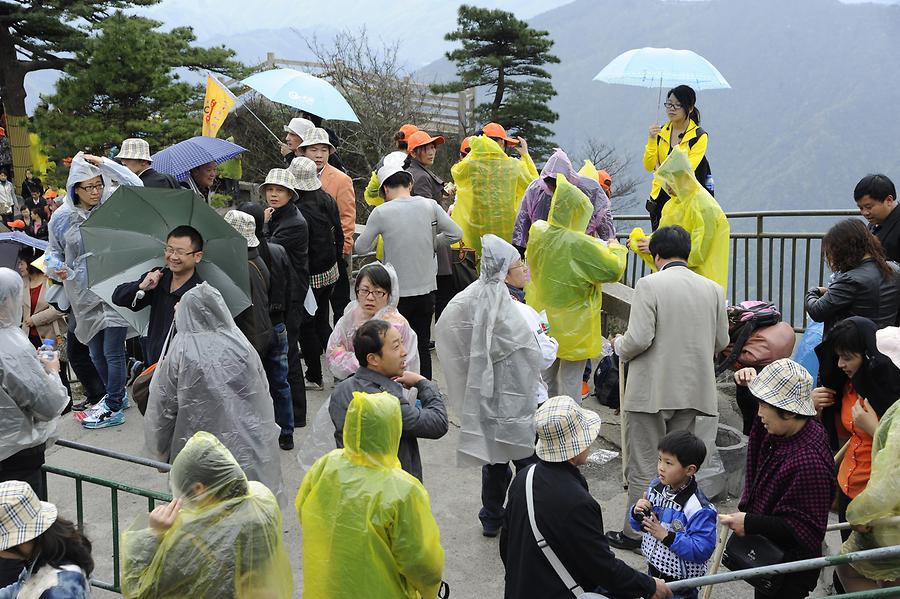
[(318, 136), (283, 177), (23, 516), (564, 429), (786, 385), (244, 224), (305, 174), (135, 148)]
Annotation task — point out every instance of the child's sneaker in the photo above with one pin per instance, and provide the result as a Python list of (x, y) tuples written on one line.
[(104, 419)]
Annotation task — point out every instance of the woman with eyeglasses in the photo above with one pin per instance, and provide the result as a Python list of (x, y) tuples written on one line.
[(682, 130), (92, 180), (376, 296)]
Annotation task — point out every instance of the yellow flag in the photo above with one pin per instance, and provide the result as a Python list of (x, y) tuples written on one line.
[(219, 102)]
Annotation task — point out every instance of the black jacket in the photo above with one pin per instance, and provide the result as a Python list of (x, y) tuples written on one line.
[(281, 284), (326, 238), (254, 322), (288, 229), (878, 380), (162, 308), (152, 178), (33, 185), (888, 233), (571, 521), (862, 291)]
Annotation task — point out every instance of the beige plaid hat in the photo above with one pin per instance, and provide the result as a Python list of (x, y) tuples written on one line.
[(244, 224), (283, 177), (305, 174), (23, 516), (134, 148), (301, 127), (318, 136), (564, 429), (786, 385)]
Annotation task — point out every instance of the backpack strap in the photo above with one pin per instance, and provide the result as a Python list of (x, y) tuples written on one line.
[(698, 133), (551, 556)]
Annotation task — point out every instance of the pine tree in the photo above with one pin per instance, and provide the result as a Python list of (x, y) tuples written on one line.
[(123, 83), (505, 55)]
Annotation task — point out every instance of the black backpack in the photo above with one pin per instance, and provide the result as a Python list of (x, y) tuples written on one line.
[(606, 381)]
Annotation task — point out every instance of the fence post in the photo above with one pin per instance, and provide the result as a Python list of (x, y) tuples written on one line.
[(759, 257)]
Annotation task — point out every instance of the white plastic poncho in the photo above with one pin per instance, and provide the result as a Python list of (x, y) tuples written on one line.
[(31, 400), (491, 362), (339, 354), (211, 379), (92, 314)]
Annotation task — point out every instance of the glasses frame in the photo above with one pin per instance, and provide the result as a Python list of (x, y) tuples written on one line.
[(364, 293)]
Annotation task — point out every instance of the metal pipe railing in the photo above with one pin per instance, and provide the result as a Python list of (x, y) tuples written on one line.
[(109, 453)]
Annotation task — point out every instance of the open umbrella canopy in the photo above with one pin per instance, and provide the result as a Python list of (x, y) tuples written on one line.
[(178, 159), (658, 67), (304, 92), (126, 237), (11, 244)]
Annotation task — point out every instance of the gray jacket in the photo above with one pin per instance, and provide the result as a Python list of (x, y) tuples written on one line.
[(428, 422)]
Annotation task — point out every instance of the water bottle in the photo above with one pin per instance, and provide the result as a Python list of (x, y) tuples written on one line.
[(47, 352), (710, 184)]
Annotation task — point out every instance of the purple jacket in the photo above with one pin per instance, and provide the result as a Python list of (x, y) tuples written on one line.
[(791, 479), (536, 201)]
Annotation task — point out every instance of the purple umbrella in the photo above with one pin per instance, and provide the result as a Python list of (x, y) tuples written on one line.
[(178, 160)]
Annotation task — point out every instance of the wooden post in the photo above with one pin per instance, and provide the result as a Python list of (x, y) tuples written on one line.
[(17, 132), (717, 557)]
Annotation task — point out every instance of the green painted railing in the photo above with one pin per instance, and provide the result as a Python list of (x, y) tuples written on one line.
[(115, 488)]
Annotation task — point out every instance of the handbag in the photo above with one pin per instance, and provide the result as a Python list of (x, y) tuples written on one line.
[(462, 268), (140, 388), (754, 551)]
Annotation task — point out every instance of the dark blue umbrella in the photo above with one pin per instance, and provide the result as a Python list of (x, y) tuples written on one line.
[(11, 244), (178, 160)]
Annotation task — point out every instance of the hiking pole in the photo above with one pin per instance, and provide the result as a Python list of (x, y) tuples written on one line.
[(622, 419), (717, 557)]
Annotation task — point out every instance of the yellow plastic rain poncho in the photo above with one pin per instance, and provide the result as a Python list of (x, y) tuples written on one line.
[(694, 209), (880, 499), (567, 269), (367, 525), (226, 541), (489, 189), (589, 170)]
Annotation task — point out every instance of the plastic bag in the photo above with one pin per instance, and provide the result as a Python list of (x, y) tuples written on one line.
[(805, 354)]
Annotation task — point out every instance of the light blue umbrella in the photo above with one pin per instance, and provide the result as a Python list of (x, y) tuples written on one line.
[(656, 67), (304, 92), (178, 159)]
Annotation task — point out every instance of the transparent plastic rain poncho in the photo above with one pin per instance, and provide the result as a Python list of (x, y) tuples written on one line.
[(491, 362), (31, 400), (489, 189), (226, 542), (211, 379), (339, 353), (567, 270), (692, 208), (367, 525), (92, 314), (880, 499)]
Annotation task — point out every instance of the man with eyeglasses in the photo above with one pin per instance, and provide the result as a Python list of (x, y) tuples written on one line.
[(162, 288)]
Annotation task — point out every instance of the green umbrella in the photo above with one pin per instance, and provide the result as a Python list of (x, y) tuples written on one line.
[(126, 236)]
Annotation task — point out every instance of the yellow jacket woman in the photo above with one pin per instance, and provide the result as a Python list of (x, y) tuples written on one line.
[(367, 525)]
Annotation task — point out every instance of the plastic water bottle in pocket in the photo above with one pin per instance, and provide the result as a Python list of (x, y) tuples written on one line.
[(47, 352)]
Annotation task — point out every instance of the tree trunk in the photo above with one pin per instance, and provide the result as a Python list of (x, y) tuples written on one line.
[(13, 93), (498, 94)]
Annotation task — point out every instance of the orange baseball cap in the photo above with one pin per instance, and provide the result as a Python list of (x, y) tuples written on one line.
[(49, 194), (605, 181), (421, 138), (464, 147), (16, 224), (497, 130), (407, 130)]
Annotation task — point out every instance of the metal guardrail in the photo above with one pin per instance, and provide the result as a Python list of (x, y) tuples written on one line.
[(766, 264), (115, 488)]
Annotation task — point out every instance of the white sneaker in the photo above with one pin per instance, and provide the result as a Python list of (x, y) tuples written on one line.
[(98, 408)]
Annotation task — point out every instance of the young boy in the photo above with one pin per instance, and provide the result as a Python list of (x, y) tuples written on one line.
[(678, 521)]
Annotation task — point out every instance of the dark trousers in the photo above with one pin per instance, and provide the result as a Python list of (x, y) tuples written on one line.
[(83, 366), (314, 333), (340, 297), (418, 311), (748, 405), (445, 292), (276, 366), (295, 367), (11, 568), (685, 594), (495, 479)]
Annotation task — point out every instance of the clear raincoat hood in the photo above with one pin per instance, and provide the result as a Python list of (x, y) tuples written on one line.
[(226, 542), (491, 362), (211, 379), (31, 400), (367, 525), (489, 190), (693, 208), (567, 270)]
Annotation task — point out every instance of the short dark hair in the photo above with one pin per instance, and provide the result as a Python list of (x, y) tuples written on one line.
[(375, 273), (670, 242), (398, 179), (687, 448), (878, 187), (64, 543), (190, 232), (846, 338), (369, 339)]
